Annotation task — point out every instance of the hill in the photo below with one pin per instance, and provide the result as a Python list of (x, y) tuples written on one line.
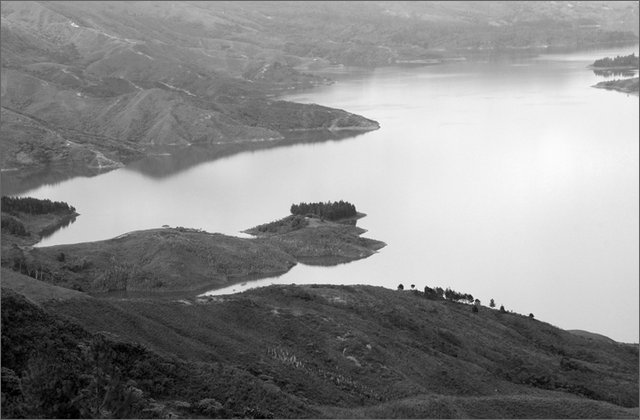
[(90, 87), (99, 86), (349, 352)]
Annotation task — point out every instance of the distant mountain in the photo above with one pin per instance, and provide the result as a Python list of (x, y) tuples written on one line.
[(97, 84), (101, 83)]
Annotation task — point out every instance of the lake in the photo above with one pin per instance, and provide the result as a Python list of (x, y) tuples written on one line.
[(508, 178)]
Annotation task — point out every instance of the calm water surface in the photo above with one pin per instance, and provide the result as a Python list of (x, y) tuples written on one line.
[(510, 179)]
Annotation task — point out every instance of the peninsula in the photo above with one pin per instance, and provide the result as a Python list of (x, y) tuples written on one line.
[(181, 259)]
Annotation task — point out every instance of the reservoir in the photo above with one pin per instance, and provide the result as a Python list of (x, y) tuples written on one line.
[(507, 178)]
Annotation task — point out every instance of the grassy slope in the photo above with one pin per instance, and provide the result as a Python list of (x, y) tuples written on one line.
[(369, 352), (35, 290), (53, 368), (590, 335)]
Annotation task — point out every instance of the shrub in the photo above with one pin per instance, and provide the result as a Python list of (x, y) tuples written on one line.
[(502, 309), (401, 286), (430, 293)]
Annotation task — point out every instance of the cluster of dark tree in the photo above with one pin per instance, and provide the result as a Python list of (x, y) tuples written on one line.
[(329, 210), (440, 293), (30, 205), (630, 60), (13, 226), (448, 294)]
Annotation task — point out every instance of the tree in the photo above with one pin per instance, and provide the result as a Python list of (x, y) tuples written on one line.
[(474, 309), (401, 286), (430, 293), (502, 309), (413, 286), (492, 304), (531, 316)]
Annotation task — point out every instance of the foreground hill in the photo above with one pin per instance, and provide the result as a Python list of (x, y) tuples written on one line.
[(314, 351)]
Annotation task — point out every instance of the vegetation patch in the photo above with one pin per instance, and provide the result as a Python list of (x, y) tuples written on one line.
[(329, 210)]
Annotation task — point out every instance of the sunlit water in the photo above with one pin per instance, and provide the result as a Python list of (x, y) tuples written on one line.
[(512, 179)]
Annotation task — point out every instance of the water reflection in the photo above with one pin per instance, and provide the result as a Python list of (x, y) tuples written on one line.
[(611, 73), (19, 181), (168, 161), (47, 232), (163, 161)]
